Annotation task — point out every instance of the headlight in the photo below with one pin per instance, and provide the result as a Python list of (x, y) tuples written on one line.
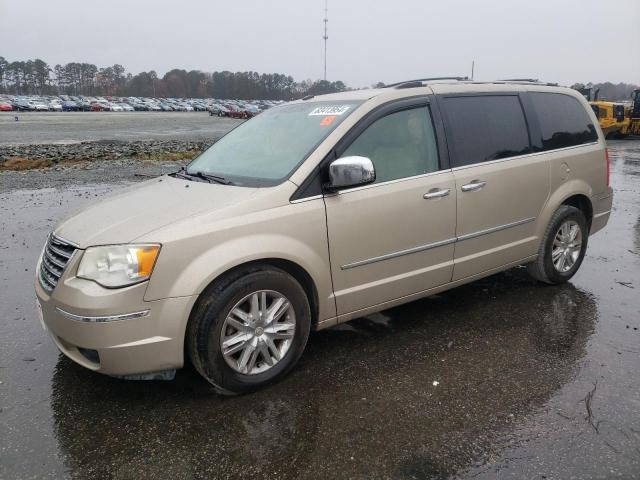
[(118, 265)]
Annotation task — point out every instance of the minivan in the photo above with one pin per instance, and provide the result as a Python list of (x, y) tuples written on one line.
[(319, 211)]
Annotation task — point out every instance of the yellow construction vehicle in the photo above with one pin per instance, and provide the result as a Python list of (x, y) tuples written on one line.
[(632, 115), (612, 117)]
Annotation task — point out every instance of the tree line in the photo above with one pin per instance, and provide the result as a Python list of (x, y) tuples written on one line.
[(608, 91), (36, 77)]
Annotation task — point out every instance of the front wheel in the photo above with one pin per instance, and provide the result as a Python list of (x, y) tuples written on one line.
[(562, 248), (249, 329)]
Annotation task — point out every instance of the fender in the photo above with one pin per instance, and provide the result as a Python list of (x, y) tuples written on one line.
[(203, 269), (567, 189)]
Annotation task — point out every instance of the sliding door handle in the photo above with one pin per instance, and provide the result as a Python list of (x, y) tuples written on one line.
[(436, 193), (474, 185)]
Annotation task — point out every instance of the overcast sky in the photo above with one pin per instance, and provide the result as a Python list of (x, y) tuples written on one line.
[(563, 41)]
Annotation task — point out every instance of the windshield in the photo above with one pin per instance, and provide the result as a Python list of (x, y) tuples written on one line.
[(266, 149)]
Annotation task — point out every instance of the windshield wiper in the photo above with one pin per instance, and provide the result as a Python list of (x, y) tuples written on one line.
[(182, 173), (210, 178), (207, 177)]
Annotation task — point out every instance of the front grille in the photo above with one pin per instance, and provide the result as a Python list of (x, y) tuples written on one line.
[(55, 257)]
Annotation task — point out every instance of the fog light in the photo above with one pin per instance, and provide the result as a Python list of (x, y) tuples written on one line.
[(91, 355)]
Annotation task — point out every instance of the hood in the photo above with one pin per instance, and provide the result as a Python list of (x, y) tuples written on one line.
[(148, 206)]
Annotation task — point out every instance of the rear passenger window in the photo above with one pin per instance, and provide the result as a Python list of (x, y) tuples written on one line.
[(400, 145), (563, 120), (483, 128)]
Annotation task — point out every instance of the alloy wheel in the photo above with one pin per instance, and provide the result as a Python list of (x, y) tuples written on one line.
[(567, 244), (258, 332)]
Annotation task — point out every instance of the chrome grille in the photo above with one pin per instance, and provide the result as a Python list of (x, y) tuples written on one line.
[(55, 257)]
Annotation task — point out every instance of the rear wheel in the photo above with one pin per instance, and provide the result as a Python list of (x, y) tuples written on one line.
[(249, 329), (562, 248)]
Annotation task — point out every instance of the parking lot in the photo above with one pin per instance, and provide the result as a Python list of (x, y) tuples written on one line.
[(501, 378), (70, 127)]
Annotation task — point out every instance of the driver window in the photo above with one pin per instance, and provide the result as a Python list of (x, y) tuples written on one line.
[(400, 145)]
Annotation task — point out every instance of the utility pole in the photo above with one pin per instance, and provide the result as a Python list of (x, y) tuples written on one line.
[(325, 37), (473, 64)]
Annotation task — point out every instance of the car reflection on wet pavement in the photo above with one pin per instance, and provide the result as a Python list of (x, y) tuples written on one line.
[(501, 378)]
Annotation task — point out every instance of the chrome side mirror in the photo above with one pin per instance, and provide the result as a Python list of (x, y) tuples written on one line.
[(350, 172)]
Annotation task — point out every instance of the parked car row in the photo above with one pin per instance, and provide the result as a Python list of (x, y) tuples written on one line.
[(239, 109), (73, 103)]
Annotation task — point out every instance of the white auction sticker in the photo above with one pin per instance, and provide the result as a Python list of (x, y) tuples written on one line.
[(330, 110)]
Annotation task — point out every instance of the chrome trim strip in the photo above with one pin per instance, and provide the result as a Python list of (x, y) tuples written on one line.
[(307, 199), (441, 243), (59, 252), (517, 157), (602, 214), (62, 240), (56, 262), (495, 229), (397, 180), (101, 319), (408, 251)]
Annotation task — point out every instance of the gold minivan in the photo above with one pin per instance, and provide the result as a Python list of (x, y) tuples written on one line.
[(319, 211)]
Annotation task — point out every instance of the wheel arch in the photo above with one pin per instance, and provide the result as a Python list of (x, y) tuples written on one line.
[(298, 272), (582, 203), (576, 193)]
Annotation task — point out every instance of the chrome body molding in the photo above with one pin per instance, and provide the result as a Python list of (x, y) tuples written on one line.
[(306, 199), (102, 319), (495, 229), (408, 251), (441, 243), (526, 155), (602, 214)]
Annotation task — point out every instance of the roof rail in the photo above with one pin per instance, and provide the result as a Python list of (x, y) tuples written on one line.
[(529, 80), (418, 82)]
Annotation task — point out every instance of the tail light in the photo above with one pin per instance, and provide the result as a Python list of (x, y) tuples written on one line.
[(606, 157)]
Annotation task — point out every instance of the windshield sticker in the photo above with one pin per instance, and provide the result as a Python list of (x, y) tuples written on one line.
[(327, 120), (329, 110)]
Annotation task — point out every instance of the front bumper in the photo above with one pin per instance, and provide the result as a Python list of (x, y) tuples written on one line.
[(148, 343)]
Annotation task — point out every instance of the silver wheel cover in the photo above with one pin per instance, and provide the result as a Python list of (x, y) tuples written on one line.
[(257, 332), (567, 244)]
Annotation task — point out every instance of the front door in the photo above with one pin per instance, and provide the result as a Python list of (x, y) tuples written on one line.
[(396, 236)]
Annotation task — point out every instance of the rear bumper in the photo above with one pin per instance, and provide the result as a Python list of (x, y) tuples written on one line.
[(602, 205), (152, 342)]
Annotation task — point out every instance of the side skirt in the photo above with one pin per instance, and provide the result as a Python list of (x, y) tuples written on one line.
[(415, 296)]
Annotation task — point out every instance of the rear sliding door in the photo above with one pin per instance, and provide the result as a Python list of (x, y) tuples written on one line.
[(501, 186)]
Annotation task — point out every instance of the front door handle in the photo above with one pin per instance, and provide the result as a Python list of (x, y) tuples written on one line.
[(474, 185), (436, 193)]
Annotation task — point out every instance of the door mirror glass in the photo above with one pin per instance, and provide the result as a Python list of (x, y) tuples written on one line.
[(351, 172)]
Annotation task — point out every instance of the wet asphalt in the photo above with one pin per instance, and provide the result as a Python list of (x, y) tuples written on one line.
[(502, 378)]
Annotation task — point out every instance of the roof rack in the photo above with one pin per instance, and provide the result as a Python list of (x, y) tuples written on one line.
[(418, 82), (526, 81)]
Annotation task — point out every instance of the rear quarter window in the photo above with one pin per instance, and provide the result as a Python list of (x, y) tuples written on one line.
[(564, 122), (481, 128)]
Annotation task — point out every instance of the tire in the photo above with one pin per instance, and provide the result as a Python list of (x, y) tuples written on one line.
[(210, 316), (543, 268)]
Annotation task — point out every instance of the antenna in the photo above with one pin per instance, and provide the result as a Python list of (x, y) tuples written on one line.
[(325, 37)]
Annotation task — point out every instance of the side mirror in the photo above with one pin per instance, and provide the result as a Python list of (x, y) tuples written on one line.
[(350, 172)]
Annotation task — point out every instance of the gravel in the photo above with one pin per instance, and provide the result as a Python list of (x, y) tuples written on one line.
[(100, 150)]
